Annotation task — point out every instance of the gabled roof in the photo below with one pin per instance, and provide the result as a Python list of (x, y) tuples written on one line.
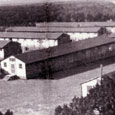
[(64, 49), (48, 29), (29, 35), (3, 43), (63, 35)]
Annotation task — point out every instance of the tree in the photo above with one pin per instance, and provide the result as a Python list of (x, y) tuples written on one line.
[(8, 112), (103, 30), (1, 113), (58, 110)]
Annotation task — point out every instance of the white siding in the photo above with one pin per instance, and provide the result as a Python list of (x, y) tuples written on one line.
[(33, 44), (15, 40), (81, 36), (1, 38), (91, 84), (21, 72), (112, 29), (52, 43), (1, 54), (6, 39), (44, 44)]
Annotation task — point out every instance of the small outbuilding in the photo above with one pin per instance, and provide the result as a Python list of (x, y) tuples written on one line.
[(64, 38), (8, 48), (86, 86)]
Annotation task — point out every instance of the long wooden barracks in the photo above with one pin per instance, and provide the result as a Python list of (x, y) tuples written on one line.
[(32, 38), (43, 63)]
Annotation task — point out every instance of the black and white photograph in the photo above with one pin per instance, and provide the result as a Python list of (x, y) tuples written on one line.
[(57, 57)]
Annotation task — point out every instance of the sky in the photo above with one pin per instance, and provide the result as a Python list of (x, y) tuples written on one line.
[(13, 2)]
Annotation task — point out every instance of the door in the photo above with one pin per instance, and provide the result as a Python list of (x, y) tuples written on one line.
[(13, 68)]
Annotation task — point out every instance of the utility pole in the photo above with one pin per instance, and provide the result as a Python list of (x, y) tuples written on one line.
[(101, 68), (86, 18)]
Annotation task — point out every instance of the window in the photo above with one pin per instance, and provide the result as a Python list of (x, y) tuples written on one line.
[(26, 48), (12, 59), (5, 64), (20, 66)]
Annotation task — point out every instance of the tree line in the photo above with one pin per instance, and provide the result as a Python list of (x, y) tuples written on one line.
[(28, 15)]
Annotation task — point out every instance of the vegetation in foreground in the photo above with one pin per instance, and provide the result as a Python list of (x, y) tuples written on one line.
[(100, 99), (8, 112)]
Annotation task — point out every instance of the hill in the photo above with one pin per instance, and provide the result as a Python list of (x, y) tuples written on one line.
[(56, 12)]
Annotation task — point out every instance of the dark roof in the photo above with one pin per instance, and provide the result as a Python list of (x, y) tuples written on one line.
[(3, 43), (39, 55), (29, 35), (53, 29), (63, 35), (76, 24)]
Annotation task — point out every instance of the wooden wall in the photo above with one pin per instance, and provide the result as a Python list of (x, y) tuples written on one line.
[(46, 68)]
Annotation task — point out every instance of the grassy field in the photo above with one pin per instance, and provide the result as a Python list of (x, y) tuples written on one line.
[(40, 97)]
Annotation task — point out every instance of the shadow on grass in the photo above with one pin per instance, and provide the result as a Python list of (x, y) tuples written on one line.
[(83, 68)]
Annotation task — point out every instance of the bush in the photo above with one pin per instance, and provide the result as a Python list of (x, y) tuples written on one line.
[(1, 75), (3, 72), (1, 113), (8, 112)]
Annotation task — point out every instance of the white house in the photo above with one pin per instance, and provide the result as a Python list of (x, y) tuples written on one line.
[(86, 86), (14, 66)]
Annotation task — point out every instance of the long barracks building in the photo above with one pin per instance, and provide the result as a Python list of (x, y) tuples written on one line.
[(32, 38), (43, 63)]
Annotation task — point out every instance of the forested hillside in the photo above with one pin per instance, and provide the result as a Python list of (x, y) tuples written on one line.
[(59, 12)]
